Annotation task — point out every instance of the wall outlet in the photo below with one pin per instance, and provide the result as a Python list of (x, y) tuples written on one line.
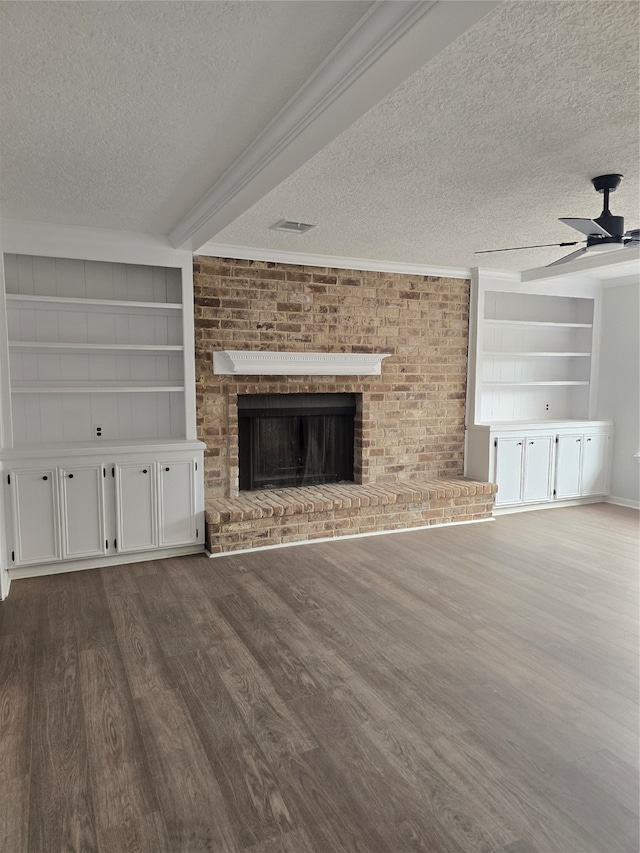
[(97, 432), (546, 407)]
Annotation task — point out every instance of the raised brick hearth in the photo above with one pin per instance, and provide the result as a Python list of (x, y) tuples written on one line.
[(281, 516), (409, 422)]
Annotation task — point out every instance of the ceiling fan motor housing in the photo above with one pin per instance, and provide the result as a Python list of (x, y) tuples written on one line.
[(613, 224)]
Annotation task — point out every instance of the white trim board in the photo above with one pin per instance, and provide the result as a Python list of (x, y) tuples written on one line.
[(64, 566), (90, 244), (252, 253), (612, 499), (346, 536)]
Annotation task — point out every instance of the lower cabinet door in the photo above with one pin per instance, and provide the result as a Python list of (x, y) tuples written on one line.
[(83, 519), (568, 462), (176, 501), (35, 517), (136, 528), (595, 464), (509, 456), (537, 468)]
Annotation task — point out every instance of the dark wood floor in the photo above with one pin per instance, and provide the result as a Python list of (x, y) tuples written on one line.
[(471, 688)]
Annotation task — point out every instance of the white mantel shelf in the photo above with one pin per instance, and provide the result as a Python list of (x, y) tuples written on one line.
[(252, 363)]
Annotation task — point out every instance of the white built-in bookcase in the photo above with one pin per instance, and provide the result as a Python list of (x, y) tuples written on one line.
[(532, 351), (96, 351), (536, 357), (533, 355), (99, 456)]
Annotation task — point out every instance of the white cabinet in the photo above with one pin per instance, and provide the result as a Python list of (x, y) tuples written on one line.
[(537, 464), (582, 466), (156, 504), (90, 512), (537, 476), (509, 462), (568, 458), (136, 528), (82, 511), (595, 464), (523, 467), (176, 502), (36, 531)]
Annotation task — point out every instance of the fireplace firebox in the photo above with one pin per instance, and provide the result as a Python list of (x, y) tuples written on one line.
[(295, 439)]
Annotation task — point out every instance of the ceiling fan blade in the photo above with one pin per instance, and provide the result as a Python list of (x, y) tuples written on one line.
[(571, 257), (517, 248), (586, 226)]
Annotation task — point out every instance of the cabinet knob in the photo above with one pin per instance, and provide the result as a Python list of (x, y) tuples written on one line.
[(166, 469), (144, 470), (588, 439), (71, 476), (519, 444), (45, 477), (531, 442), (577, 441)]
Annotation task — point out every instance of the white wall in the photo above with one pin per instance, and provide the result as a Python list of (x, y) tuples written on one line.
[(619, 386)]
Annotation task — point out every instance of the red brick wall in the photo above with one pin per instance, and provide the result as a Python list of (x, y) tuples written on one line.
[(412, 415)]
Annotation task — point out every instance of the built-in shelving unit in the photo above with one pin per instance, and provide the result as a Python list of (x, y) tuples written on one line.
[(534, 356), (94, 346), (530, 398), (99, 456)]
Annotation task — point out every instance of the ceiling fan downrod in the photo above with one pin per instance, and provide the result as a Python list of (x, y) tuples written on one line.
[(607, 184)]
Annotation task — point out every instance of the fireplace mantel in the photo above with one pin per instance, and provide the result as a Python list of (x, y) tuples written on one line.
[(252, 362)]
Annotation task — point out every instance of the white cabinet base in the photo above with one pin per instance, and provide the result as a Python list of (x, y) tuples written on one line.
[(555, 504), (543, 464), (88, 509), (17, 572)]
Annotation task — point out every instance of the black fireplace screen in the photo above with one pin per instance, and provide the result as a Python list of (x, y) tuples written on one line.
[(295, 439)]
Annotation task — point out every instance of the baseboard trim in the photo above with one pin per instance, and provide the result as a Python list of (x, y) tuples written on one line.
[(505, 510), (101, 563), (347, 536), (612, 499)]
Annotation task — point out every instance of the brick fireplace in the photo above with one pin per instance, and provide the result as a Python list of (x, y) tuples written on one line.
[(409, 424)]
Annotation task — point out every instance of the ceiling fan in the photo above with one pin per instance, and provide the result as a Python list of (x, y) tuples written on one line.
[(604, 234)]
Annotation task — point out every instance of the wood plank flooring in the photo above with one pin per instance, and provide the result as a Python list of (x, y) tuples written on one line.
[(472, 688)]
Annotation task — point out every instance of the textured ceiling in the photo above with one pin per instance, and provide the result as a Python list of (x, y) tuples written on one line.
[(122, 115), (485, 147)]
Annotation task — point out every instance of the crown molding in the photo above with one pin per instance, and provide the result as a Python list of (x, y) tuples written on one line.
[(389, 43), (259, 363), (249, 253)]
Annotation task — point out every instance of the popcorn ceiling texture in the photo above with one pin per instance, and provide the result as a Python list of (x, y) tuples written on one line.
[(410, 425)]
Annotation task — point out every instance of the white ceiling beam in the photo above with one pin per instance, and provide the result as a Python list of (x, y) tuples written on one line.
[(390, 42)]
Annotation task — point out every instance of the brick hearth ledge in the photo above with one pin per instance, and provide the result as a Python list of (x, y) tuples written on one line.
[(272, 517)]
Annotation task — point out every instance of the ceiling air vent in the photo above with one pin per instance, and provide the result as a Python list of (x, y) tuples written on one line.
[(292, 227)]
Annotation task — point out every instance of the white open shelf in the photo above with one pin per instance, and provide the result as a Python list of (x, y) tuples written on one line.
[(553, 382), (98, 387), (538, 323), (520, 354), (68, 303), (81, 349)]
